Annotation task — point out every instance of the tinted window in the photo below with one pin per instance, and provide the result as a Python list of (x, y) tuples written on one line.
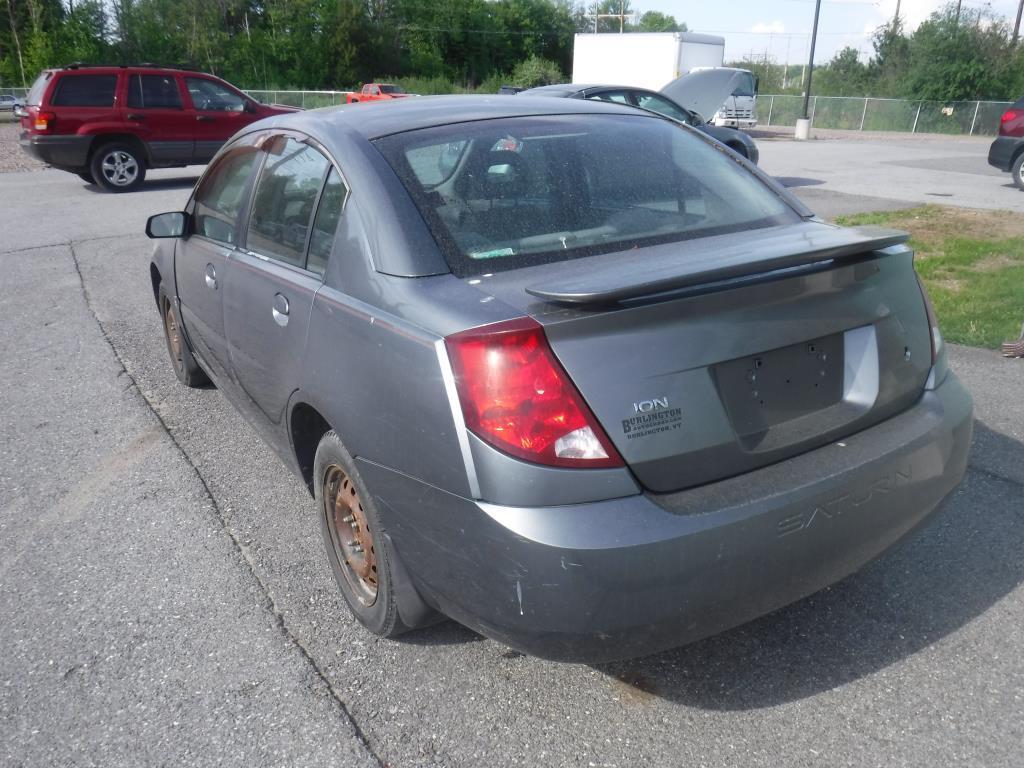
[(221, 195), (391, 89), (325, 225), (35, 95), (532, 190), (85, 91), (283, 205), (662, 106), (154, 92), (211, 96), (617, 97)]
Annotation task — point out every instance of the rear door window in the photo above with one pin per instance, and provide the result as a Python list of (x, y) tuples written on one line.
[(286, 195), (154, 92), (325, 225), (85, 91), (222, 193)]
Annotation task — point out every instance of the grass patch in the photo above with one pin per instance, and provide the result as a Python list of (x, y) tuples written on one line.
[(973, 265)]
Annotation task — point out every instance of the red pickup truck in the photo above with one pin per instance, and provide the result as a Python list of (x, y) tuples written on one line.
[(377, 92)]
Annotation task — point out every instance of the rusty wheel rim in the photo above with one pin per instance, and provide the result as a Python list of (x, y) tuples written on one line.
[(173, 335), (350, 534)]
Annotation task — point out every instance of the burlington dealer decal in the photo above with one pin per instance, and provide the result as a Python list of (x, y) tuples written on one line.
[(651, 417)]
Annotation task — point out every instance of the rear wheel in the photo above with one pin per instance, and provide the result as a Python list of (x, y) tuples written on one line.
[(358, 550), (118, 167), (739, 149), (1017, 171), (184, 364)]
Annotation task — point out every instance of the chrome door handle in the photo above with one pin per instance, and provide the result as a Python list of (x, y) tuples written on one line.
[(280, 310), (211, 277)]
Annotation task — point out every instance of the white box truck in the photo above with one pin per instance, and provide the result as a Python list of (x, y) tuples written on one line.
[(653, 59)]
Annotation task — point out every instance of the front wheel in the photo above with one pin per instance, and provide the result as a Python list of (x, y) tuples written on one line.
[(118, 167), (1017, 171)]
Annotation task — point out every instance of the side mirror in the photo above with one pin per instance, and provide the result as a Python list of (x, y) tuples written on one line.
[(249, 107), (173, 224), (757, 83)]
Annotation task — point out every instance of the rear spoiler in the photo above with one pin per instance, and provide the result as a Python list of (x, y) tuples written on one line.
[(668, 270)]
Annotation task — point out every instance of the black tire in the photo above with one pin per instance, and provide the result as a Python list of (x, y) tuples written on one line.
[(1017, 171), (740, 150), (182, 361), (86, 176), (118, 166), (335, 477)]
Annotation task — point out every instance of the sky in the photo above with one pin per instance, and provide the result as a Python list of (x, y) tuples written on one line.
[(782, 27)]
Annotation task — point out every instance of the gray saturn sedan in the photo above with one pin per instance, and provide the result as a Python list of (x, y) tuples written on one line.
[(565, 371)]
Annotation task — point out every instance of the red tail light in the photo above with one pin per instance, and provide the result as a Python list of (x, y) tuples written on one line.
[(516, 396), (44, 121), (1008, 115)]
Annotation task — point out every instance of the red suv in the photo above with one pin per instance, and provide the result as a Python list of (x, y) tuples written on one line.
[(109, 124), (1007, 151)]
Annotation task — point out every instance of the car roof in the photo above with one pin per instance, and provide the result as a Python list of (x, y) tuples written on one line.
[(375, 120)]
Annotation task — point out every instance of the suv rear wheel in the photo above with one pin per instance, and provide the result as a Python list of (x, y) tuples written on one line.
[(118, 167), (1017, 171)]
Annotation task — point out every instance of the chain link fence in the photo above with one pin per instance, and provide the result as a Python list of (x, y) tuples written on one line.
[(956, 118), (301, 99), (18, 93)]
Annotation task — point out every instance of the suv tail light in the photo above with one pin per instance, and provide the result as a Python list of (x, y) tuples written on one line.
[(1010, 114), (933, 321), (516, 396), (44, 121)]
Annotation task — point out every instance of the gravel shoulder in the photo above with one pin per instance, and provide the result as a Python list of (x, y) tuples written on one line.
[(12, 156)]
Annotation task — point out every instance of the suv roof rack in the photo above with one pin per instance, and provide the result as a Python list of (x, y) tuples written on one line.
[(149, 64)]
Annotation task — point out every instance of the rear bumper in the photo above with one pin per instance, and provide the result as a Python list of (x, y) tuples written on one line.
[(1002, 150), (631, 576), (67, 152)]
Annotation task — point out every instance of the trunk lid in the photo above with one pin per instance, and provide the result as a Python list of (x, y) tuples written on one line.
[(708, 358)]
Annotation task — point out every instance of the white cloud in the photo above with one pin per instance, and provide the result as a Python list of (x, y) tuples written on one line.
[(763, 27)]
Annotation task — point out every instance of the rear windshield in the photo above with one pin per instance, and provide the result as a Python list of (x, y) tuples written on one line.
[(509, 193), (35, 94), (84, 91)]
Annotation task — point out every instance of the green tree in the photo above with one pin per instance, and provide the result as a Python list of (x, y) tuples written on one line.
[(845, 75), (656, 21)]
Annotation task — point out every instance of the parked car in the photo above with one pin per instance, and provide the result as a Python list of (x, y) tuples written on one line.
[(377, 92), (510, 90), (1007, 151), (110, 124), (589, 401), (737, 141), (9, 103)]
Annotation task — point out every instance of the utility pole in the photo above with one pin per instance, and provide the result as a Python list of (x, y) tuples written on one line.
[(810, 59), (621, 16), (896, 18), (1016, 25), (958, 4)]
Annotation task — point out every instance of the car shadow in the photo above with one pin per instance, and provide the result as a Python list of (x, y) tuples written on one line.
[(153, 185), (951, 572)]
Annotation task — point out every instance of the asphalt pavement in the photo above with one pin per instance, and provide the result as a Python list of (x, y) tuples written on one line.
[(166, 599)]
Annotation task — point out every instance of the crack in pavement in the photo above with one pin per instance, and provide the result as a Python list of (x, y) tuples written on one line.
[(268, 602)]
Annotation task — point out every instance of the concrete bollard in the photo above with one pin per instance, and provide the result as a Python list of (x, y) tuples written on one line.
[(803, 129)]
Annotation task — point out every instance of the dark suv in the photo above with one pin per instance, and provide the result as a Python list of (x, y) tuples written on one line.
[(1007, 151), (109, 124)]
